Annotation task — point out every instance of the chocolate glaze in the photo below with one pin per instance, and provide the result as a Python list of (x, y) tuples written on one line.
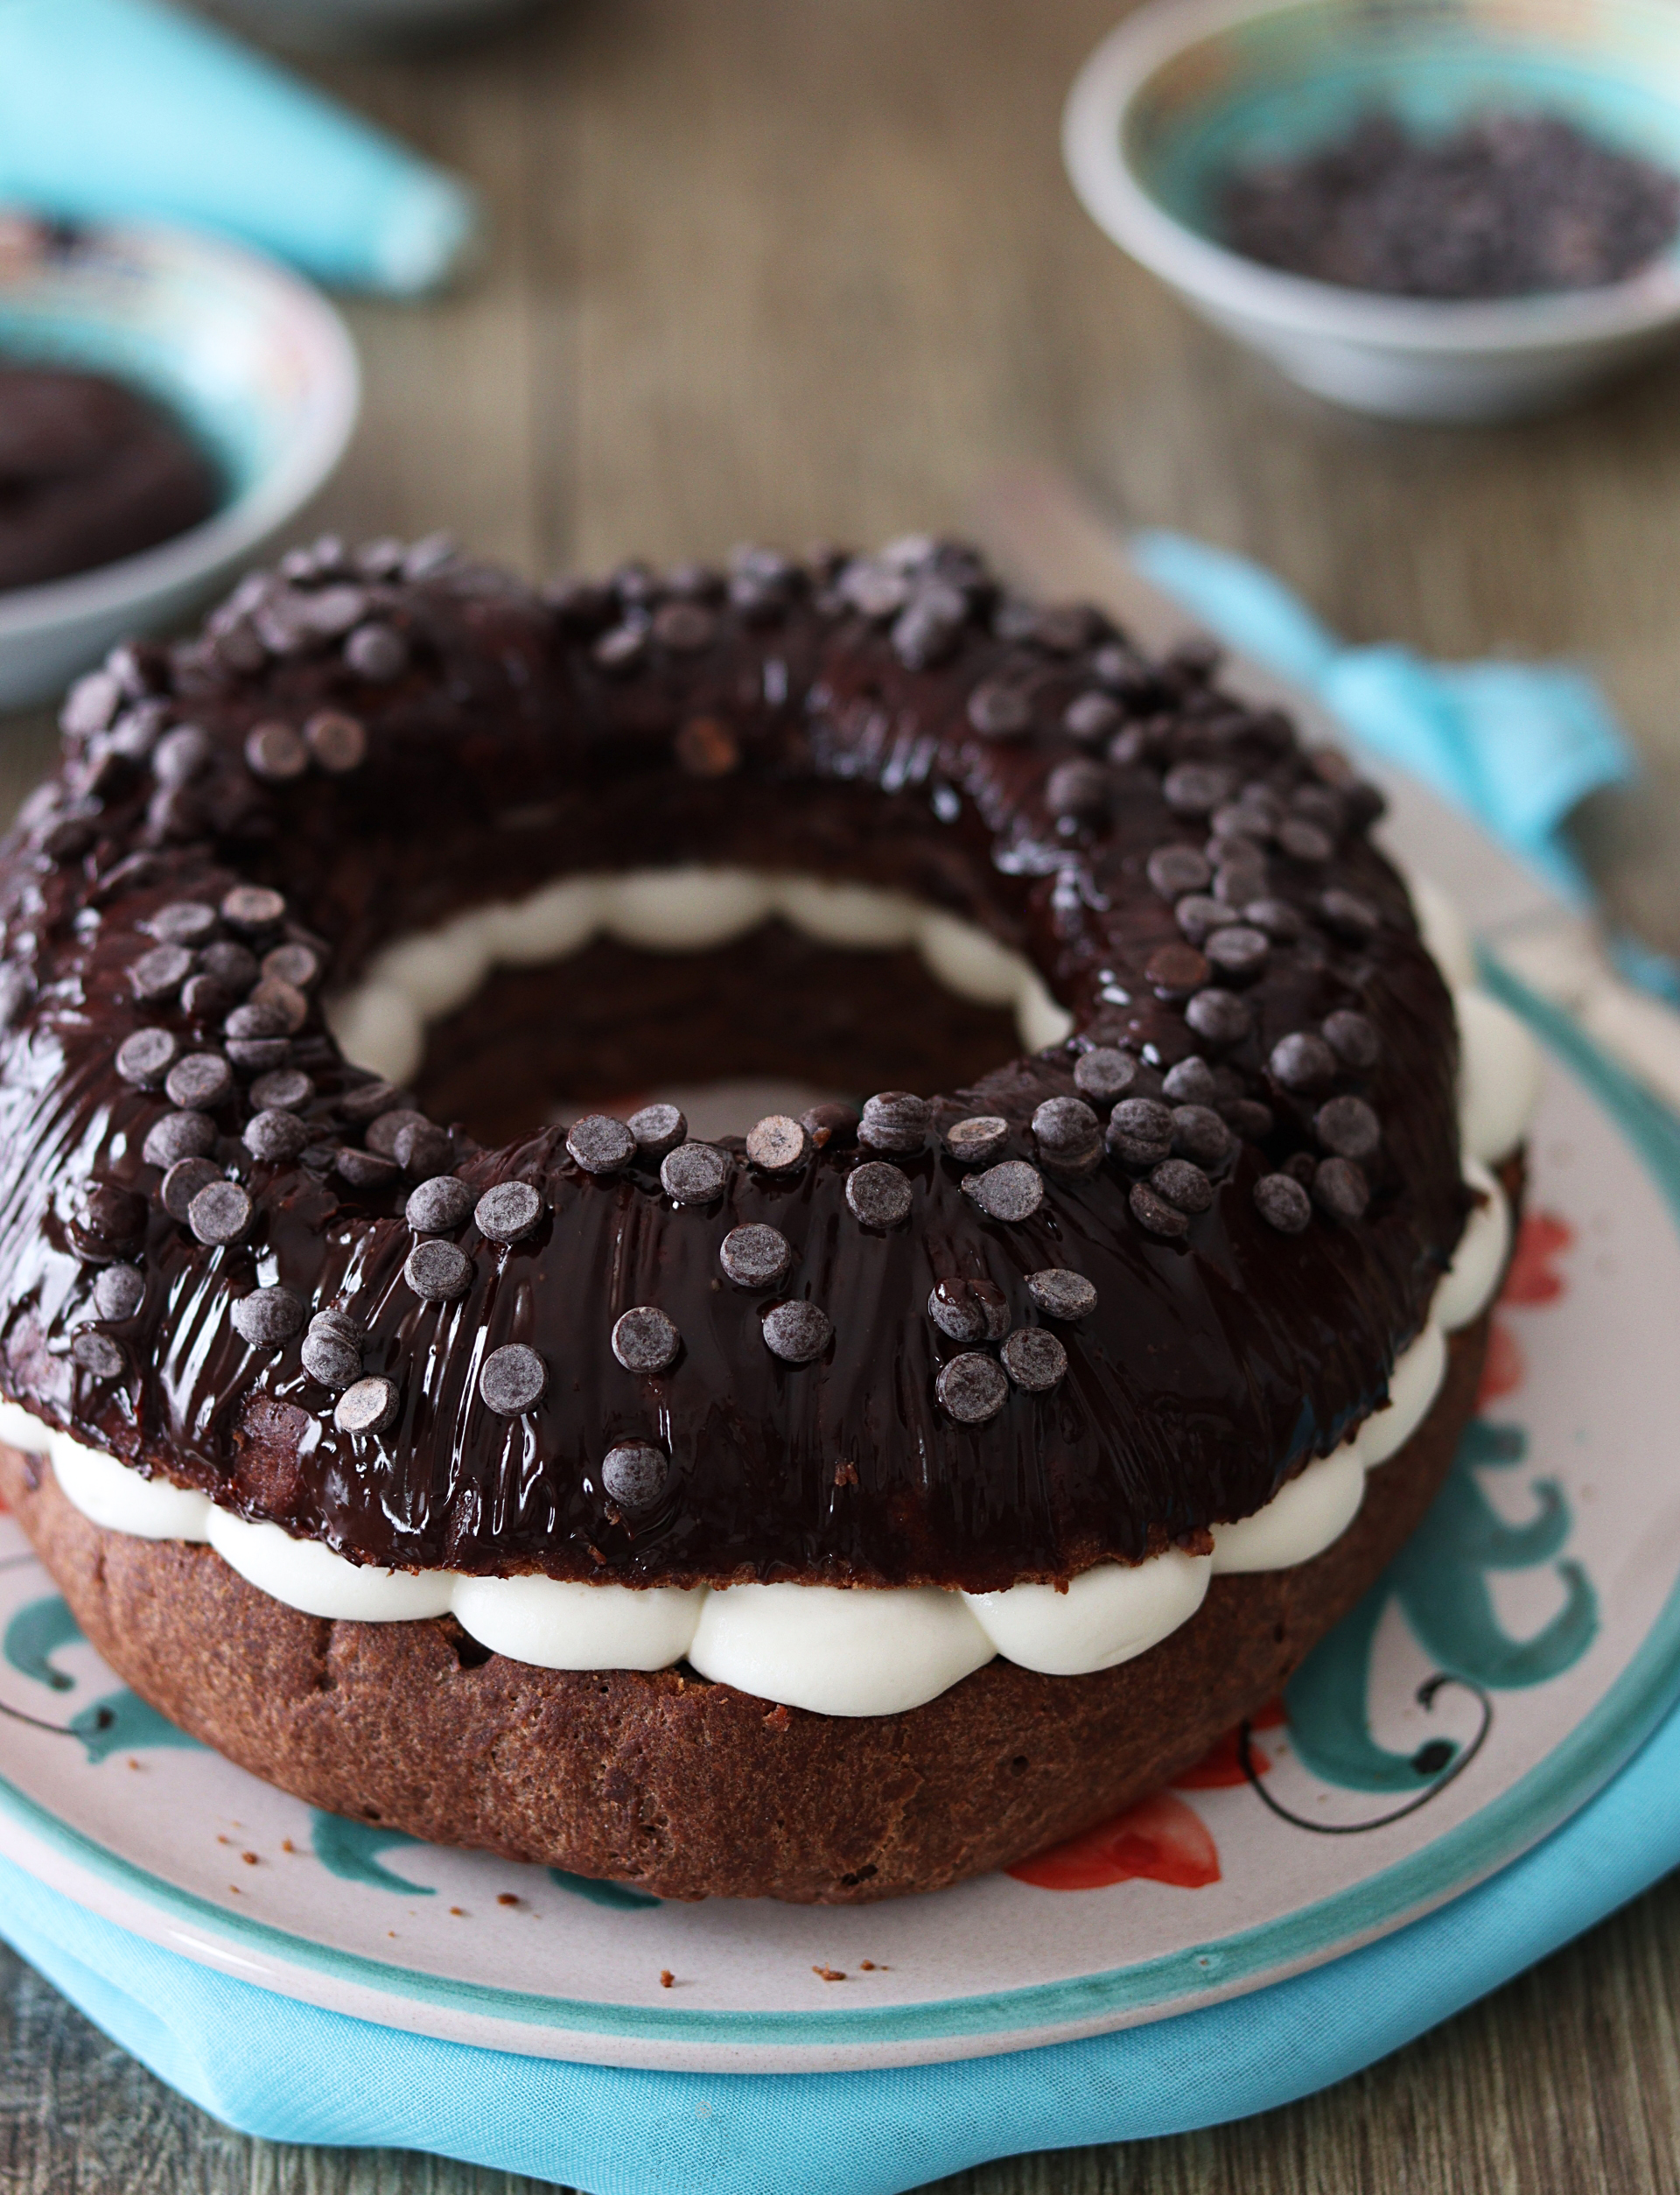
[(803, 734)]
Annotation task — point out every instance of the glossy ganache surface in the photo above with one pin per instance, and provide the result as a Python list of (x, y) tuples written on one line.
[(1249, 1151)]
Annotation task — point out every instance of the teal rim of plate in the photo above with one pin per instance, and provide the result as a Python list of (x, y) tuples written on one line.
[(1602, 1743)]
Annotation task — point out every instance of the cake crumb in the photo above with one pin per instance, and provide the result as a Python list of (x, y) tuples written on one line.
[(667, 1978), (506, 1897), (868, 1966), (778, 1719), (286, 1845), (249, 1858), (829, 1974), (845, 1475), (457, 1912), (221, 1840), (133, 1762)]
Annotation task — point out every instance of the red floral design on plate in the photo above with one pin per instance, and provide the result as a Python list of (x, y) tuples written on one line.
[(1534, 1277), (1221, 1766), (1159, 1839)]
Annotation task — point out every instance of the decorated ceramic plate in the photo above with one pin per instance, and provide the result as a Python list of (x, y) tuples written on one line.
[(1522, 1646)]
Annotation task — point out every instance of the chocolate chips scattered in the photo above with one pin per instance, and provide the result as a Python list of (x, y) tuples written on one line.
[(1237, 951), (831, 1124), (657, 1130), (1035, 1360), (1176, 970), (1352, 1037), (644, 1340), (182, 922), (439, 1272), (283, 1091), (972, 1388), (1154, 1214), (600, 1144), (366, 1405), (1175, 870), (508, 1212), (376, 653), (778, 1143), (976, 1140), (107, 1219), (146, 1058), (182, 1183), (797, 1332), (1140, 1131), (253, 907), (694, 1174), (1199, 1134), (634, 1476), (98, 1355), (439, 1206), (364, 1169), (160, 973), (1011, 1192), (221, 1213), (969, 1310), (756, 1256), (1341, 1189), (178, 1135), (1069, 1135), (276, 1137), (1347, 1127), (1348, 916), (1282, 1202), (1061, 1295), (119, 1292), (336, 742), (274, 753), (331, 1356), (513, 1380), (879, 1194), (200, 1080), (1302, 1062), (1220, 1017), (1104, 1075), (268, 1317), (1182, 1185), (894, 1120)]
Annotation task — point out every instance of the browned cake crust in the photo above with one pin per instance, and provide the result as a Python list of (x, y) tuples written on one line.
[(690, 1789)]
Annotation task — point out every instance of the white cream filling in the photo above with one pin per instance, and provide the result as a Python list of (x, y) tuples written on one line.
[(834, 1651)]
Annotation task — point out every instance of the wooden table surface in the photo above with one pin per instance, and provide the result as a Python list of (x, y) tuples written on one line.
[(786, 271)]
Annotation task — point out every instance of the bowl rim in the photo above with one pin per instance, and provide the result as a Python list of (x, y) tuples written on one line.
[(1099, 103), (176, 566)]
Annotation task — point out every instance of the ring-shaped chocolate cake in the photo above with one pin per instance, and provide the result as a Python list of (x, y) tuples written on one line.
[(828, 1512)]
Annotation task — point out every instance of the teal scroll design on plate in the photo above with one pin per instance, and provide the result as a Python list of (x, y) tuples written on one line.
[(619, 1896), (1440, 1581), (350, 1850), (119, 1722)]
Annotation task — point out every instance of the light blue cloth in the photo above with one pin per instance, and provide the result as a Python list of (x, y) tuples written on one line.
[(115, 109), (1515, 746)]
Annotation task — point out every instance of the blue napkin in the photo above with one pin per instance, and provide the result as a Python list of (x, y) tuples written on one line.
[(120, 109)]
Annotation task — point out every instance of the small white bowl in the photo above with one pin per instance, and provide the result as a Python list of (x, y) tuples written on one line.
[(1186, 89), (253, 363)]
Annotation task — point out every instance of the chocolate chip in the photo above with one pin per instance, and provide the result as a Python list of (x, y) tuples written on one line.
[(1176, 870), (376, 653), (221, 1212), (513, 1380), (694, 1172), (1282, 1202), (253, 907), (1196, 788), (972, 1388), (1238, 881), (267, 1317), (1219, 1017), (1176, 970), (1237, 951), (284, 999), (1247, 1117), (146, 1058), (257, 1055), (879, 1194), (365, 1169), (160, 973), (1069, 1134), (977, 1140), (1061, 1295), (1348, 916), (999, 712), (1302, 1061), (181, 755), (1035, 1360), (261, 1022), (98, 1356), (338, 742), (295, 966), (1340, 1188), (634, 1476), (831, 1125), (1281, 922), (421, 1147), (439, 1206), (1011, 1192), (285, 1091), (969, 1310), (333, 1319), (1304, 841), (685, 628), (1191, 1082), (366, 1405), (1155, 1215), (93, 701), (657, 1130), (439, 1272), (1183, 1185), (330, 1358), (508, 1212), (275, 1136), (1080, 791), (119, 1291), (182, 922), (1347, 1127), (1199, 1133), (335, 610), (182, 1183), (1103, 1074), (1352, 1038), (366, 1101), (1140, 1131), (894, 1120), (202, 1079), (778, 1143), (204, 999), (1090, 717), (178, 1135), (706, 748), (1198, 916), (796, 1332), (621, 649), (274, 753), (644, 1340), (756, 1256), (600, 1144)]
